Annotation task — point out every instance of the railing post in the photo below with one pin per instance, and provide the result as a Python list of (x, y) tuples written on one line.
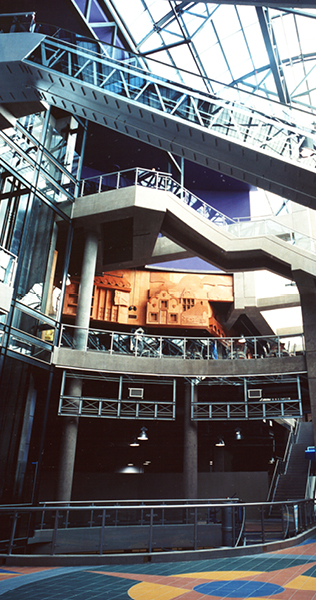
[(82, 187), (150, 543), (102, 532), (118, 180), (54, 539), (262, 525), (67, 511), (195, 528), (91, 517), (111, 344), (12, 536)]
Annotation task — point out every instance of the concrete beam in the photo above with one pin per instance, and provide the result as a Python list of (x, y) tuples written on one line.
[(115, 363)]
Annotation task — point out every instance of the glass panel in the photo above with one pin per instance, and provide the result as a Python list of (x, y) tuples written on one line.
[(31, 285), (33, 325)]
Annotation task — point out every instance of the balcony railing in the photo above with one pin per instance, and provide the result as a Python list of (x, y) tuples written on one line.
[(141, 344), (149, 526)]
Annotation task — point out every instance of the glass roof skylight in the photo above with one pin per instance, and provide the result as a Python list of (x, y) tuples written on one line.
[(264, 51)]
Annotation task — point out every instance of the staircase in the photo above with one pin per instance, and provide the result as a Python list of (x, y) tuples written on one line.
[(292, 484)]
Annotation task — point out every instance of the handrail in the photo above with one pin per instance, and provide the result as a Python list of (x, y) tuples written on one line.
[(245, 98), (289, 119), (159, 346), (276, 472), (238, 227), (289, 443), (150, 521)]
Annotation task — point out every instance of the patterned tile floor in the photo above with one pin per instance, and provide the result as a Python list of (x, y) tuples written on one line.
[(284, 575)]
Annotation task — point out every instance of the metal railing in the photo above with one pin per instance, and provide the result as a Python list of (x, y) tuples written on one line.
[(148, 526), (8, 262), (239, 227), (194, 348), (254, 121)]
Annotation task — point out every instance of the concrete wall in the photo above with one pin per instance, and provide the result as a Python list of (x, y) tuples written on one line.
[(248, 486)]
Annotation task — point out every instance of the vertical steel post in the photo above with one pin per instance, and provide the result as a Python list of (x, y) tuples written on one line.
[(262, 524), (102, 532), (12, 536), (54, 538), (151, 533)]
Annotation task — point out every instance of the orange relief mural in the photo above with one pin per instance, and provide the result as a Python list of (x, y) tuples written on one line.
[(156, 299)]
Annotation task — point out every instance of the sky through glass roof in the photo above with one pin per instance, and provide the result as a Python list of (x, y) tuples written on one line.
[(264, 51)]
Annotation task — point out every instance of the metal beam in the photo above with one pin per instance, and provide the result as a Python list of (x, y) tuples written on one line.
[(275, 64)]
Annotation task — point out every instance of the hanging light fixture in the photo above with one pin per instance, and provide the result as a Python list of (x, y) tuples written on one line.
[(220, 442), (143, 434), (238, 434), (134, 443)]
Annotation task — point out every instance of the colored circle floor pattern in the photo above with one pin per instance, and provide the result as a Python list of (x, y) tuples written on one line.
[(238, 589)]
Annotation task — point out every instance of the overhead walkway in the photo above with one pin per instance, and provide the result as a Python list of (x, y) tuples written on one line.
[(259, 145), (145, 204)]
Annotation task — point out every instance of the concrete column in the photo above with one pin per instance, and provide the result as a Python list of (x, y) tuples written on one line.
[(70, 427), (86, 288), (307, 289), (68, 448), (190, 449)]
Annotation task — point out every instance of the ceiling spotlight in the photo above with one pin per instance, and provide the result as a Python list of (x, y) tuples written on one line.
[(143, 434), (220, 442), (238, 434), (134, 443)]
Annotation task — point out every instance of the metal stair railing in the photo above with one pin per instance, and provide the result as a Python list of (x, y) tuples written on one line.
[(263, 226)]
